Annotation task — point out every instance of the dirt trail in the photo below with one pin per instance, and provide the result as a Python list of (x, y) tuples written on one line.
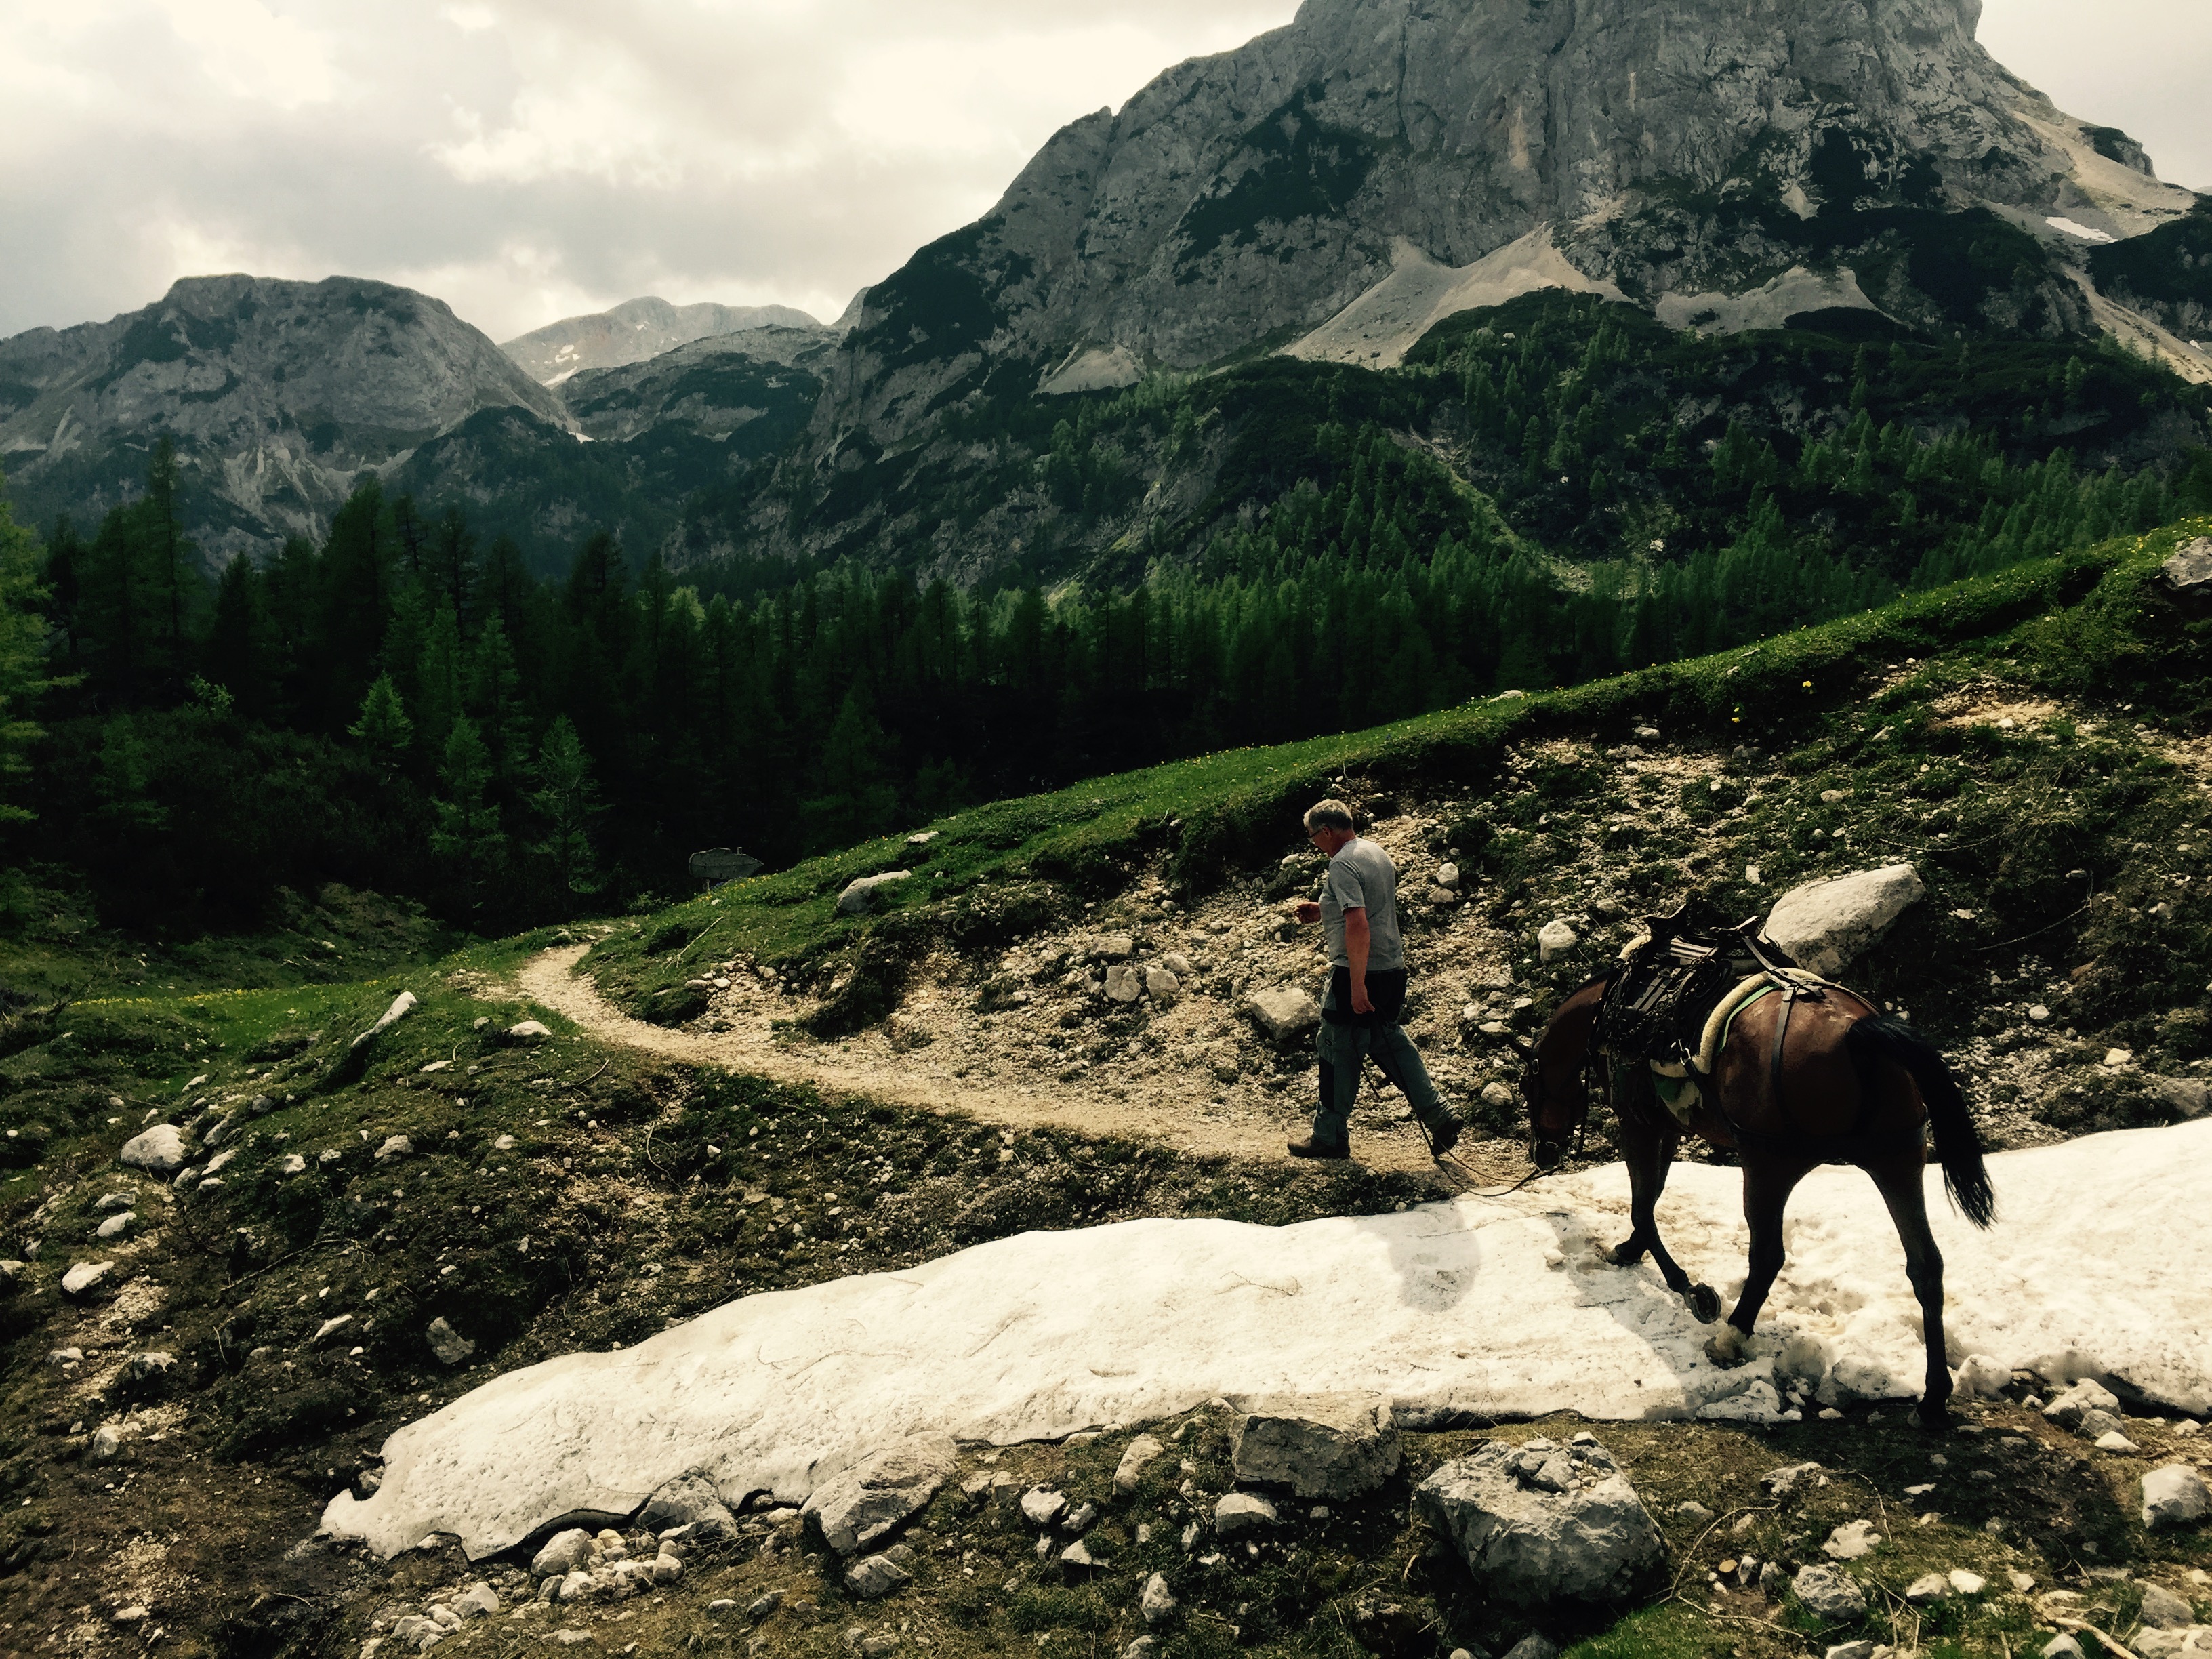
[(1188, 1114)]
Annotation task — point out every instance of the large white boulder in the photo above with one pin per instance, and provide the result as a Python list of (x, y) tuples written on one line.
[(159, 1151), (1825, 925), (1334, 1446), (1533, 1531), (2174, 1496), (867, 1501)]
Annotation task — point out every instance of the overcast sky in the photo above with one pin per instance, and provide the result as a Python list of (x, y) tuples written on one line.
[(527, 160)]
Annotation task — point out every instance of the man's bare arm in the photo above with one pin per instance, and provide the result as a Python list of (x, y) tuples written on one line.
[(1357, 940)]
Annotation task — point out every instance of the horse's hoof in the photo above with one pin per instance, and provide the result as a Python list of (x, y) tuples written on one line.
[(1626, 1253), (1728, 1350), (1704, 1304), (1935, 1417)]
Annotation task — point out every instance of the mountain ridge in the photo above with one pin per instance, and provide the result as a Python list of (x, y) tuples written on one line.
[(636, 331)]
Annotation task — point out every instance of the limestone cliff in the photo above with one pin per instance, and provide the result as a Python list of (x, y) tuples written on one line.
[(638, 329)]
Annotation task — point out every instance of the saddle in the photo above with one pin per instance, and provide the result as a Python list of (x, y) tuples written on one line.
[(1670, 1006)]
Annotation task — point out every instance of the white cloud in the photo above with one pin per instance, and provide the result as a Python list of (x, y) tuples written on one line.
[(529, 159)]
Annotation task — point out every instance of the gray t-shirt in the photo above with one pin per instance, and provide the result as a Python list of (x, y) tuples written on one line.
[(1361, 877)]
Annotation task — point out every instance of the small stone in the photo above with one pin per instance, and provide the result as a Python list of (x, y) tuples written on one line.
[(1927, 1589), (2162, 1609), (106, 1442), (2039, 1014), (2087, 1395), (1336, 1446), (1533, 1646), (448, 1344), (1080, 1519), (1694, 1512), (1238, 1513), (1141, 1453), (1555, 939), (1145, 1647), (2113, 1441), (869, 1500), (1967, 1584), (292, 1163), (759, 1607), (83, 1276), (331, 1326), (2063, 1646), (1786, 1482), (529, 1030), (130, 1615), (1161, 985), (115, 1224), (863, 896), (1284, 1012), (2174, 1496), (1851, 1540), (1078, 1554), (1123, 984), (1156, 1601), (478, 1601), (1042, 1506), (1829, 1594), (504, 1144), (394, 1146), (2115, 1058), (1850, 1651), (873, 1576)]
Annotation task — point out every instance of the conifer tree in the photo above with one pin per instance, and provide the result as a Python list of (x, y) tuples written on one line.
[(24, 672), (384, 729), (568, 801)]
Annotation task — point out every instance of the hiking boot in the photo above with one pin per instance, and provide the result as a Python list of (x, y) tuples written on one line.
[(1309, 1147), (1443, 1135)]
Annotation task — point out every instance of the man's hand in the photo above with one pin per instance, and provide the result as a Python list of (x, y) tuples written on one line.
[(1306, 911), (1360, 1003)]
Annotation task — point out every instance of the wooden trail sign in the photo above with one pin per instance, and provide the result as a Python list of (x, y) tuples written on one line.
[(720, 864)]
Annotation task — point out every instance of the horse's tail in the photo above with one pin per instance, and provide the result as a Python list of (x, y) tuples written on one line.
[(1958, 1143)]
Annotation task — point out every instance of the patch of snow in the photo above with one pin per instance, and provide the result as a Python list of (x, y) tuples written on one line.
[(2058, 221), (1501, 1307)]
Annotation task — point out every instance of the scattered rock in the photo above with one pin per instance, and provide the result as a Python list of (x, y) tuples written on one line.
[(2162, 1609), (1325, 1446), (689, 1500), (1786, 1482), (1180, 965), (2071, 1406), (1115, 947), (861, 897), (2063, 1646), (1123, 984), (1526, 1544), (1145, 1647), (2187, 577), (2185, 1097), (448, 1344), (401, 1005), (867, 1501), (1141, 1451), (115, 1224), (2113, 1441), (394, 1146), (875, 1576), (1927, 1589), (159, 1150), (1851, 1540), (2174, 1496), (1042, 1506), (11, 1274), (761, 1607), (1447, 875), (478, 1601), (330, 1327), (563, 1553), (292, 1163), (529, 1030), (1982, 1376), (1825, 925), (1829, 1594), (1694, 1512), (1850, 1651), (1162, 985), (106, 1442), (1156, 1601), (1533, 1645), (1080, 1519), (1555, 939), (83, 1276), (1078, 1554), (1240, 1512), (1284, 1012), (1967, 1584)]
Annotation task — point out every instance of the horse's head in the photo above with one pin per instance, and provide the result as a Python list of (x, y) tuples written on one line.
[(1554, 1082)]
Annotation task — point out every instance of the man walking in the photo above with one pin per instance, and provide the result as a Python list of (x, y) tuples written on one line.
[(1358, 909)]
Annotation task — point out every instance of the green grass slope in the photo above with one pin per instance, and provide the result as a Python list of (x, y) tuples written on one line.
[(2054, 839)]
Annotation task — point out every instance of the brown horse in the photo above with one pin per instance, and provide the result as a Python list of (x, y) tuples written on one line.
[(1846, 1084)]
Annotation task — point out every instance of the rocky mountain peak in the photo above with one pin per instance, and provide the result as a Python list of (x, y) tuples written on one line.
[(277, 393), (638, 329), (1692, 151)]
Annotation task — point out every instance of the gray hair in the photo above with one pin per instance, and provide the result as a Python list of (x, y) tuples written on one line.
[(1329, 815)]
